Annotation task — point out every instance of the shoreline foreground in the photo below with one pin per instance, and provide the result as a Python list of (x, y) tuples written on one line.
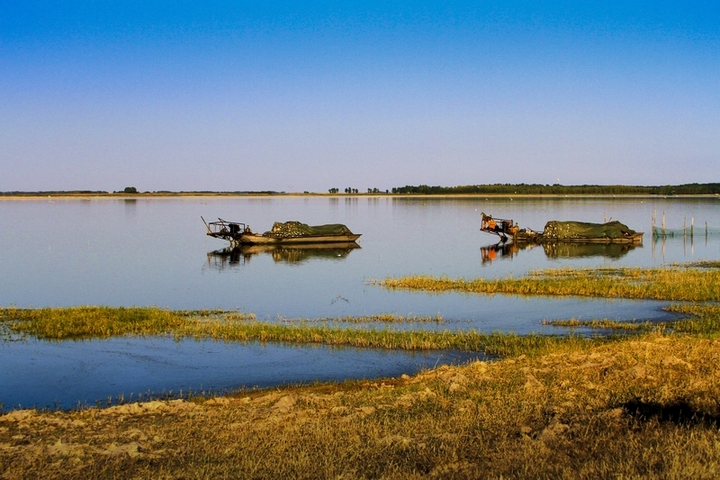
[(629, 405), (644, 407)]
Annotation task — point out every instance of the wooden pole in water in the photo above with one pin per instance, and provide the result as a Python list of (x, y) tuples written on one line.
[(663, 223), (652, 222), (692, 226), (684, 225)]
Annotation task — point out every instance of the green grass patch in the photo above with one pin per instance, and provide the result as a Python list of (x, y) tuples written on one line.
[(603, 324), (697, 283), (382, 318), (702, 319), (675, 283), (103, 322)]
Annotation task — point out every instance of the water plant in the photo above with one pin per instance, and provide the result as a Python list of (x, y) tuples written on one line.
[(603, 324), (383, 318), (678, 283), (101, 322)]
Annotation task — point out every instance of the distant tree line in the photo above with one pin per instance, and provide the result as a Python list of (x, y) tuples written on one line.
[(538, 189), (352, 190), (490, 189), (134, 191), (54, 192)]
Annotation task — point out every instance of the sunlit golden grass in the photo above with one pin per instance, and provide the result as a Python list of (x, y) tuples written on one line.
[(677, 283), (646, 407)]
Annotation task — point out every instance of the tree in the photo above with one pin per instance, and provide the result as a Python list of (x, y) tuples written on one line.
[(130, 190)]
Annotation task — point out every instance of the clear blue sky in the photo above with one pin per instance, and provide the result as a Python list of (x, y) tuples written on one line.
[(295, 96)]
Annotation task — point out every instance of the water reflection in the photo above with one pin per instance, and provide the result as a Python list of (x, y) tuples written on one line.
[(291, 254), (577, 250), (509, 250)]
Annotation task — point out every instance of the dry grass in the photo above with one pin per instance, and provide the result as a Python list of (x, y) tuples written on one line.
[(642, 408)]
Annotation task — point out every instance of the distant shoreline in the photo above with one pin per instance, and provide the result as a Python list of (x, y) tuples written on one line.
[(154, 195), (424, 191)]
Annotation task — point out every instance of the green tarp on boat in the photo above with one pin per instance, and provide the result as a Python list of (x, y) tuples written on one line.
[(569, 230), (297, 229)]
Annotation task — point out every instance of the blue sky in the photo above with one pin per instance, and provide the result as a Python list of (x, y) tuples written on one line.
[(296, 96)]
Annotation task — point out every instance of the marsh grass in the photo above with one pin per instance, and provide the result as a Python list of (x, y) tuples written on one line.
[(701, 319), (603, 324), (385, 318), (381, 318), (102, 322), (646, 407), (674, 283)]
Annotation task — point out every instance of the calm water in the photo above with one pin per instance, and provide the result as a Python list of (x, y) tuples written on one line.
[(155, 253), (65, 374)]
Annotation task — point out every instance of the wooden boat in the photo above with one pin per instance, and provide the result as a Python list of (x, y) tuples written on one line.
[(562, 232), (287, 233)]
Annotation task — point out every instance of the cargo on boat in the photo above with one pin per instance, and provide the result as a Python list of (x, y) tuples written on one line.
[(563, 232), (282, 233)]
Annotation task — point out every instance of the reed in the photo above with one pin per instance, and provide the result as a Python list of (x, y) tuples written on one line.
[(702, 319), (472, 341), (383, 318), (103, 322), (603, 324), (675, 283)]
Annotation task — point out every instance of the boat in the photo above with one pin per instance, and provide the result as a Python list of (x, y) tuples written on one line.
[(282, 233), (562, 232)]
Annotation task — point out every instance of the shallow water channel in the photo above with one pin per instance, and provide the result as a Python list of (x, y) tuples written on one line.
[(154, 252), (72, 373)]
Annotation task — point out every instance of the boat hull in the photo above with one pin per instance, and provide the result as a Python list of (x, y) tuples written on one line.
[(254, 239), (635, 239)]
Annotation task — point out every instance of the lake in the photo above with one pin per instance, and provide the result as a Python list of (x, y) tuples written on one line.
[(154, 252)]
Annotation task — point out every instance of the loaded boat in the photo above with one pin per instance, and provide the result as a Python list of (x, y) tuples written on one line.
[(563, 232), (282, 233)]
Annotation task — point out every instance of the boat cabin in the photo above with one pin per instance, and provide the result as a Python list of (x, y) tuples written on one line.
[(498, 226)]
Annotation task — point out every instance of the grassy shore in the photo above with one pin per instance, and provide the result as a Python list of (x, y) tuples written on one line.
[(645, 405), (697, 282), (641, 408)]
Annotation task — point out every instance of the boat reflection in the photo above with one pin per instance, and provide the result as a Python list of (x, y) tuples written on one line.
[(490, 253), (578, 250), (291, 254), (493, 252)]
